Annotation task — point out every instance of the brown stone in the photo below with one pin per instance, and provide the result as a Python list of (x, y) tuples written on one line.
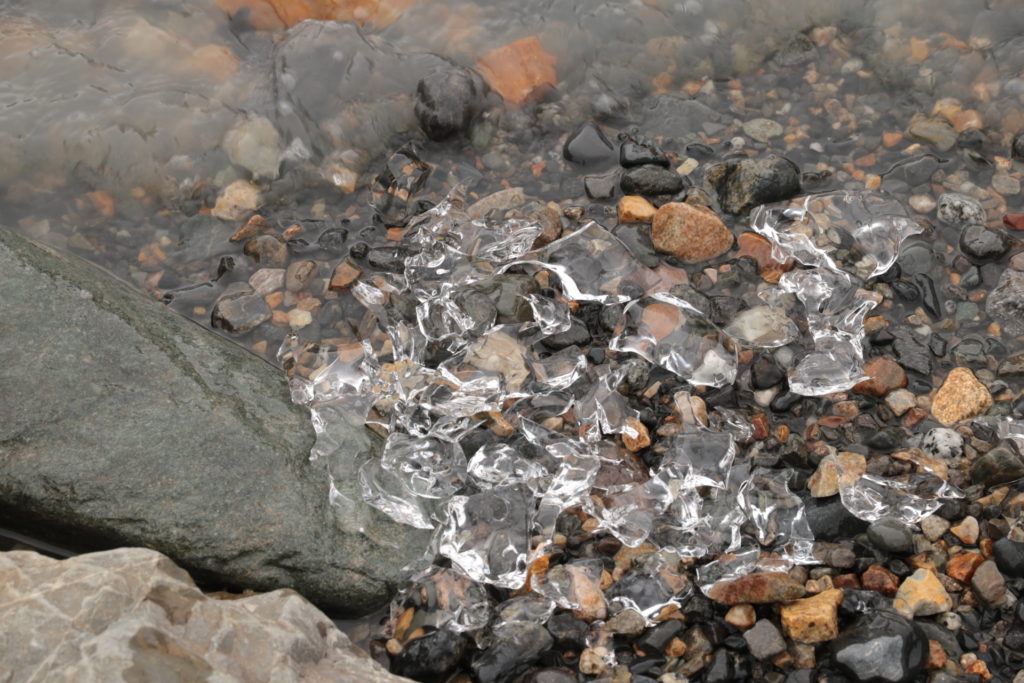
[(758, 589), (635, 209), (344, 275), (960, 397), (519, 71), (921, 595), (661, 319), (814, 619), (884, 375), (962, 566), (967, 530), (879, 579), (586, 593), (642, 439), (937, 656), (851, 581), (760, 249), (691, 233), (847, 467), (1014, 221)]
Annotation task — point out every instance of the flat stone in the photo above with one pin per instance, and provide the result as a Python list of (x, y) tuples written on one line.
[(690, 233), (741, 616), (920, 595), (933, 527), (881, 647), (764, 640), (960, 397), (635, 209), (1005, 303), (814, 619), (345, 273), (884, 375), (758, 589), (144, 429), (989, 585), (962, 566), (933, 131), (762, 130), (131, 615), (891, 535)]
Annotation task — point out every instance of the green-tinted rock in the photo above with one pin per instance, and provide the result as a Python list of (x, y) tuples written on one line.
[(124, 424)]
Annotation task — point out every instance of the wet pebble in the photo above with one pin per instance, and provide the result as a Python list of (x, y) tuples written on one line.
[(635, 154), (448, 99), (267, 250), (943, 443), (891, 535), (744, 184), (1009, 557), (921, 595), (1005, 302), (650, 180), (588, 145), (989, 585), (763, 130), (881, 647), (766, 372), (934, 132), (690, 233), (983, 244), (999, 465), (764, 640), (959, 210), (515, 647), (239, 310)]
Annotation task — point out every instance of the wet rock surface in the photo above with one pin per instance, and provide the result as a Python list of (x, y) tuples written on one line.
[(143, 429), (131, 614)]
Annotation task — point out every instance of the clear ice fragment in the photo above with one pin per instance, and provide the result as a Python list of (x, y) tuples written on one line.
[(777, 513), (653, 583), (442, 598), (908, 497)]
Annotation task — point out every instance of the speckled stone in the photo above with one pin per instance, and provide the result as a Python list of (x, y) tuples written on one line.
[(960, 397), (691, 233)]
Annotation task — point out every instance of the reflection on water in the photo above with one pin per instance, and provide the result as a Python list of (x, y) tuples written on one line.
[(121, 121)]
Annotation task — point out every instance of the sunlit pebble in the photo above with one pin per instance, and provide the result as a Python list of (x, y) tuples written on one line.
[(922, 203)]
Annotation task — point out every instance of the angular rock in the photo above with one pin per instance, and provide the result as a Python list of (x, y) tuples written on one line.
[(989, 585), (635, 209), (1000, 465), (588, 145), (879, 579), (519, 71), (690, 233), (651, 180), (141, 428), (881, 647), (239, 310), (982, 244), (764, 640), (448, 99), (744, 184), (814, 619), (845, 466), (967, 530), (757, 589), (130, 615), (960, 397), (962, 567), (1005, 302), (884, 375), (921, 595), (237, 200)]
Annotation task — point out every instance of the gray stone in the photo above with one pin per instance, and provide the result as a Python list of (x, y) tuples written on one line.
[(672, 116), (448, 99), (934, 132), (988, 584), (764, 640), (891, 535), (742, 185), (959, 210), (123, 424), (1000, 465), (132, 615), (1005, 303)]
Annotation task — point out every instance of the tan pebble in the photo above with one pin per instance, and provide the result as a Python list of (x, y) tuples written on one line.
[(298, 318), (843, 467), (593, 661), (967, 530), (691, 233), (638, 441), (741, 616), (635, 209), (921, 595), (237, 200), (960, 397), (814, 619), (344, 275)]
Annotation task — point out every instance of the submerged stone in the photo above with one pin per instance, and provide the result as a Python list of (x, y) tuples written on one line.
[(133, 426)]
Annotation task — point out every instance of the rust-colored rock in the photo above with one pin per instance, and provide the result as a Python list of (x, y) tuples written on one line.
[(520, 71), (884, 375), (937, 656), (879, 579), (661, 319), (1014, 221), (814, 619), (760, 249), (960, 397), (757, 589), (635, 209), (344, 275), (690, 233)]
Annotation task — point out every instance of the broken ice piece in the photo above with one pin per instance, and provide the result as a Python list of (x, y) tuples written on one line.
[(701, 458), (670, 332), (574, 586), (440, 598), (628, 511), (860, 232), (908, 497), (764, 327), (487, 534), (777, 513), (498, 464), (652, 584)]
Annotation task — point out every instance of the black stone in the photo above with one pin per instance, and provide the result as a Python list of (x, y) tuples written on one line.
[(576, 335), (929, 295), (982, 244), (886, 440), (656, 639), (448, 99), (830, 520), (1017, 150), (601, 186), (937, 344), (999, 465), (784, 401), (333, 240), (588, 145), (891, 535), (881, 647), (744, 184), (911, 354), (970, 351), (635, 154), (568, 631), (1009, 556), (720, 669), (906, 291), (429, 656), (651, 180), (391, 259), (515, 647), (765, 372)]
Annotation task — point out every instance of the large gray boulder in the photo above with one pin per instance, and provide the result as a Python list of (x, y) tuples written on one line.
[(122, 423), (132, 615)]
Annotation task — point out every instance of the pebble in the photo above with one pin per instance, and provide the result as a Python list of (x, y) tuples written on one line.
[(760, 588), (814, 619), (999, 465), (691, 233), (933, 131), (960, 397), (627, 622), (943, 442), (881, 647), (344, 275), (933, 527), (254, 144), (962, 566), (825, 480), (267, 280), (884, 375), (891, 535), (239, 310), (959, 210), (921, 594), (989, 585), (588, 145), (744, 184), (299, 318), (651, 180), (764, 640), (967, 530), (922, 203), (1005, 184), (1005, 303), (635, 209), (298, 274), (983, 244), (881, 580), (634, 154), (520, 71), (267, 250), (763, 130), (237, 200), (900, 401), (741, 616), (1009, 557), (448, 99)]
